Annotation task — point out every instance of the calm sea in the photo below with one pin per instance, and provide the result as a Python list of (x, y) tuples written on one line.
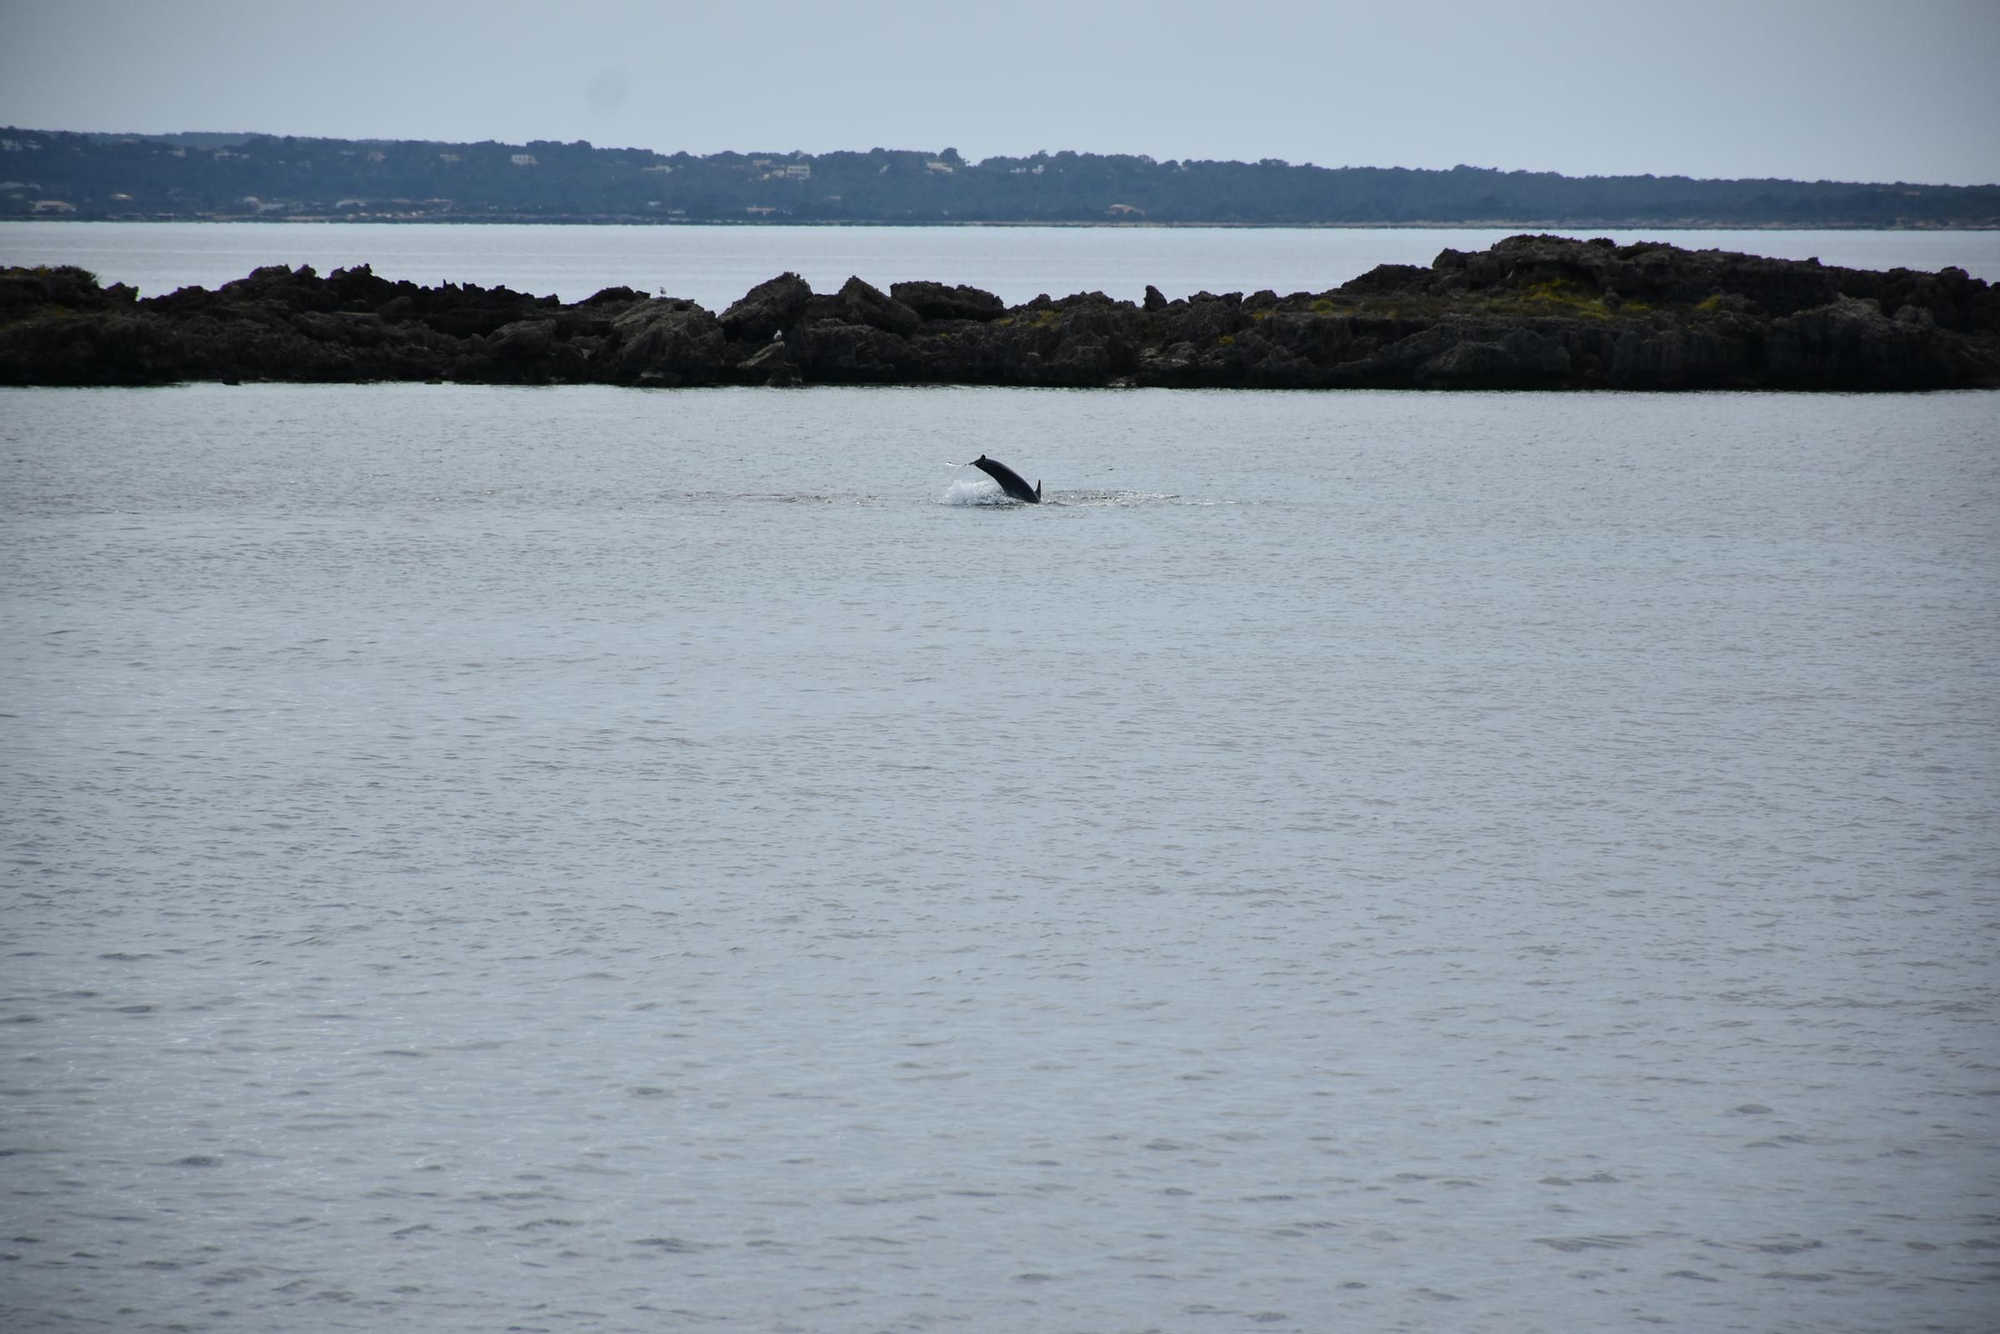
[(605, 860), (716, 265)]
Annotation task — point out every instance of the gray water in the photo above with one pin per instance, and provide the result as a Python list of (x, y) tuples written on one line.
[(716, 265), (592, 859)]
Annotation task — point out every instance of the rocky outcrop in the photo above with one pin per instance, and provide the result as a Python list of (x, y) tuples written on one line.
[(663, 342), (935, 301), (767, 309), (1532, 312), (861, 303)]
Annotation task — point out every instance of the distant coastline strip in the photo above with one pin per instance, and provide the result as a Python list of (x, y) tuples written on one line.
[(55, 174)]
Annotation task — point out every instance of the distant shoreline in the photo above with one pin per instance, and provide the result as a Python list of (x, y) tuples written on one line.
[(1474, 225), (198, 177)]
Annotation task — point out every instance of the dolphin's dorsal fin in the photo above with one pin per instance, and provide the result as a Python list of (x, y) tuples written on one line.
[(1038, 488)]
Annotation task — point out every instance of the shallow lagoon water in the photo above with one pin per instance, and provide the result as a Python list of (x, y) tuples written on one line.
[(618, 860)]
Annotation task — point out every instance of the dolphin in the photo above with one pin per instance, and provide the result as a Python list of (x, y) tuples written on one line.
[(1010, 481)]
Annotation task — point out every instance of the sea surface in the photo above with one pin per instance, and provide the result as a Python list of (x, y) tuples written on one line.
[(588, 859), (716, 265)]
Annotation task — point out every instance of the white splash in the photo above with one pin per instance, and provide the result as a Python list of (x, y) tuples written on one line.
[(975, 491)]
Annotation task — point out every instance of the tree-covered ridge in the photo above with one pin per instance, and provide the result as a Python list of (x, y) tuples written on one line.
[(59, 174)]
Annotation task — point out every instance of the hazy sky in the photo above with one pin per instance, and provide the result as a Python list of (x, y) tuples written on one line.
[(1874, 90)]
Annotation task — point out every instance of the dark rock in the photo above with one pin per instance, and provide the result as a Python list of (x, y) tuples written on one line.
[(1528, 312), (935, 301), (667, 342), (358, 288), (1205, 320), (770, 365), (523, 340), (1849, 344), (29, 290), (838, 353), (769, 308), (1082, 299), (862, 303), (1080, 363), (1323, 340), (1390, 278), (1175, 366), (1519, 358)]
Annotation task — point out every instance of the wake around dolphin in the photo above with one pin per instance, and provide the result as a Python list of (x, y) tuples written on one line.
[(1010, 481)]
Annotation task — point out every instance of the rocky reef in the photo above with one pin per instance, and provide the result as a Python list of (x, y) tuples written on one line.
[(1532, 312)]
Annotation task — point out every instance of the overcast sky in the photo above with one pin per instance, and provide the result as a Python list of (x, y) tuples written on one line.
[(1870, 90)]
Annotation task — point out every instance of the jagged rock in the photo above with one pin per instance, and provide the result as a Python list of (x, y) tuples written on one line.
[(345, 328), (1080, 363), (770, 365), (935, 301), (1391, 278), (1171, 367), (1849, 344), (665, 341), (861, 303), (27, 290), (465, 311), (1319, 339), (523, 340), (1101, 331), (769, 308), (1273, 367), (358, 288), (1529, 312), (1518, 358), (838, 353), (325, 328), (612, 296), (1205, 319), (1666, 356)]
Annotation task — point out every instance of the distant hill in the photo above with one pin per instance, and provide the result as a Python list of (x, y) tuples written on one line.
[(191, 139), (55, 174)]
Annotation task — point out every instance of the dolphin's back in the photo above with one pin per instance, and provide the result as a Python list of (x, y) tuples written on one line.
[(1010, 481)]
